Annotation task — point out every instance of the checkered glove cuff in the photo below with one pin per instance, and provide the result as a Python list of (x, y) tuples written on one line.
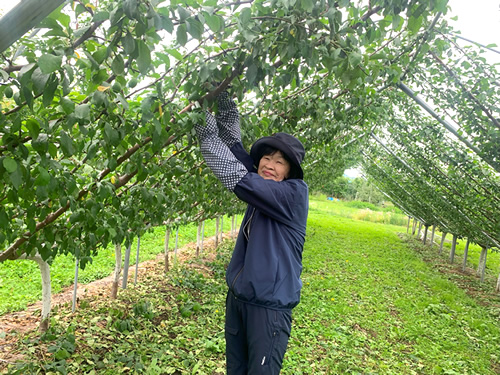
[(228, 120), (218, 156)]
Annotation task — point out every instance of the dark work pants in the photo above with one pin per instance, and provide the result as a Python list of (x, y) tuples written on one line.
[(256, 338)]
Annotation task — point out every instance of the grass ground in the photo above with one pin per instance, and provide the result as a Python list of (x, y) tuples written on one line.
[(374, 301)]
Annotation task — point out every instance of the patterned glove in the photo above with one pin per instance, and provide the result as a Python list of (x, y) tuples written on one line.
[(217, 154), (228, 120)]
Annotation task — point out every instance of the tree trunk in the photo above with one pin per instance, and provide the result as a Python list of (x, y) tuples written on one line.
[(116, 273), (167, 238), (466, 253), (481, 268), (442, 242), (46, 289), (453, 248), (432, 235), (408, 225)]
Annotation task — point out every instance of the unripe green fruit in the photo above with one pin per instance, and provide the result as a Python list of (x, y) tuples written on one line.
[(8, 92), (117, 87), (132, 83)]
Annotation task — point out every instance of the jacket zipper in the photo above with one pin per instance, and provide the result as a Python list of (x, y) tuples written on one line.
[(236, 278)]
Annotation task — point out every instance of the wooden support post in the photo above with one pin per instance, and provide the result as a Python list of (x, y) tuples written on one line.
[(419, 230), (126, 264), (497, 289), (221, 227), (75, 286), (453, 248), (414, 226), (198, 239), (442, 242), (137, 260), (217, 219), (425, 234), (202, 235), (432, 235), (176, 245), (481, 268), (466, 253), (167, 238)]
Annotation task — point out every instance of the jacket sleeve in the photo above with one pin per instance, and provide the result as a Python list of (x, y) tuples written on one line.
[(217, 154), (242, 155), (228, 120), (282, 201)]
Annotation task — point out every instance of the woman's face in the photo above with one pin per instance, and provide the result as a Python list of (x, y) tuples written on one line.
[(274, 167)]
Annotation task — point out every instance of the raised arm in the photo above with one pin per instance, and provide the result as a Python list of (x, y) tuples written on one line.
[(228, 123), (226, 167)]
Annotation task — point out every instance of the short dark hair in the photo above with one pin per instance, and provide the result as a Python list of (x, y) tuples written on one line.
[(268, 150)]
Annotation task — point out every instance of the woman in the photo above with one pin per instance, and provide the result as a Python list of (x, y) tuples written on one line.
[(264, 273)]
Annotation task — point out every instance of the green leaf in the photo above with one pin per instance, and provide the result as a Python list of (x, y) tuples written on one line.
[(100, 55), (101, 16), (49, 63), (43, 177), (175, 53), (9, 164), (118, 65), (251, 73), (128, 44), (245, 16), (82, 112), (307, 5), (183, 13), (67, 105), (213, 22), (144, 58), (355, 59), (195, 28), (39, 80), (66, 144), (414, 24), (33, 128), (181, 34), (50, 90)]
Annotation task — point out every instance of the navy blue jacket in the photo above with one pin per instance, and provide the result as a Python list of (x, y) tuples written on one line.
[(267, 260)]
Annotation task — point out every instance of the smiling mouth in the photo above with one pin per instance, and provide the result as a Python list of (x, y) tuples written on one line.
[(269, 174)]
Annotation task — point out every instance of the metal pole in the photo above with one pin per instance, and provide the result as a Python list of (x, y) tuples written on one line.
[(137, 260), (125, 267), (75, 287)]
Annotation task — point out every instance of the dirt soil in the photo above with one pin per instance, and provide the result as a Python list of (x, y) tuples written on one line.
[(14, 325)]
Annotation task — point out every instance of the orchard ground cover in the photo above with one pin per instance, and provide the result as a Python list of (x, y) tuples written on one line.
[(20, 280), (374, 301)]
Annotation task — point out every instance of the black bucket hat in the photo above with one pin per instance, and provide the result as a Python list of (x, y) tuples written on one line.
[(287, 144)]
